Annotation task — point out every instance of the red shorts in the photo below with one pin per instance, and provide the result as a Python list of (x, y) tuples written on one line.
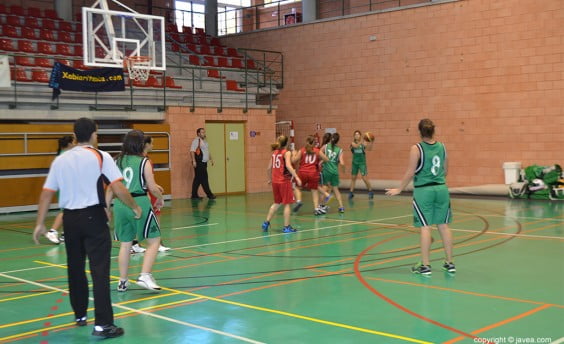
[(310, 181), (153, 202), (283, 193)]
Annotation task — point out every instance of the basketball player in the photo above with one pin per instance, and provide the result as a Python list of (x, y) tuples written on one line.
[(358, 149)]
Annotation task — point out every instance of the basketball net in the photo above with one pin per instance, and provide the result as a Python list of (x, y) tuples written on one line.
[(138, 67)]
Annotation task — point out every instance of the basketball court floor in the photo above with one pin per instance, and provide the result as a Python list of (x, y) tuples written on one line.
[(339, 279)]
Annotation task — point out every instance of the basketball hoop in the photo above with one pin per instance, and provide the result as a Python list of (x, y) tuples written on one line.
[(138, 67)]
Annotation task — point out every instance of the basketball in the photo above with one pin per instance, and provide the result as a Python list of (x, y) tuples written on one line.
[(368, 136)]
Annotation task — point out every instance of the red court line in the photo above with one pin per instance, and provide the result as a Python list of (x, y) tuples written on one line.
[(392, 302), (501, 323)]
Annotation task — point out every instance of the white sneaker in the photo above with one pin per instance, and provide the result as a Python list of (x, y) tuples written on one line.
[(137, 249), (148, 282), (53, 236), (163, 248), (122, 285)]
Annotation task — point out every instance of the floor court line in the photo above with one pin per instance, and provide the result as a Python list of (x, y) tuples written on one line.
[(194, 226), (248, 340)]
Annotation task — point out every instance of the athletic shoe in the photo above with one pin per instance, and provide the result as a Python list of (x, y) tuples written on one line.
[(289, 229), (449, 267), (265, 226), (370, 194), (148, 282), (163, 248), (62, 238), (351, 195), (318, 212), (419, 268), (298, 206), (328, 198), (53, 236), (108, 331), (323, 208), (122, 285), (137, 249), (80, 321), (341, 210)]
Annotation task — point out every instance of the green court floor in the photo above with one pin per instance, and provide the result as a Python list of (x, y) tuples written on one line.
[(342, 278)]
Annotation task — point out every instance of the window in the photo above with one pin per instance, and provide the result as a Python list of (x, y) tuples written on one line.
[(272, 3)]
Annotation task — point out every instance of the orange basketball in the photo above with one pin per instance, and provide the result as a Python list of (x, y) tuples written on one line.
[(368, 136)]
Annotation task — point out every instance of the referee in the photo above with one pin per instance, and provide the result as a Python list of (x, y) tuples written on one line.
[(79, 176)]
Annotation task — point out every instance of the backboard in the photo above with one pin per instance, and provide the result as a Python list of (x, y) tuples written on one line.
[(109, 36)]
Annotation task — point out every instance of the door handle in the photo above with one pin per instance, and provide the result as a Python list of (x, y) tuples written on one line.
[(227, 158)]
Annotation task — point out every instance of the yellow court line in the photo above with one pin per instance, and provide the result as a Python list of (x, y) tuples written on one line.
[(27, 296), (71, 324), (275, 311)]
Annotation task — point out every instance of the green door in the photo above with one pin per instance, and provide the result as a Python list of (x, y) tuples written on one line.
[(227, 148), (215, 135), (235, 157)]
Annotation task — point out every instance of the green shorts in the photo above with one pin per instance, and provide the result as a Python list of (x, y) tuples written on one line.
[(356, 167), (431, 206), (127, 228), (329, 178)]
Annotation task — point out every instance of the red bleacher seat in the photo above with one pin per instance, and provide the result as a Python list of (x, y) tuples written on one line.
[(222, 62), (45, 48), (3, 9), (48, 24), (219, 51), (214, 73), (169, 83), (232, 52), (137, 83), (209, 61), (34, 12), (175, 36), (195, 60), (205, 49), (251, 64), (13, 20), (64, 49), (19, 74), (17, 10), (187, 29), (39, 75), (175, 47), (215, 41), (65, 62), (65, 37), (66, 26), (99, 52), (32, 22), (200, 32), (79, 64), (26, 46), (43, 62), (171, 27), (46, 35), (237, 63), (52, 14), (23, 61), (78, 37), (233, 86), (192, 48), (7, 44), (10, 31), (29, 33), (78, 50), (152, 82)]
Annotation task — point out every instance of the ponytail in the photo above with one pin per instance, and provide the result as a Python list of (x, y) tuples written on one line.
[(309, 145), (281, 142), (326, 139), (335, 138)]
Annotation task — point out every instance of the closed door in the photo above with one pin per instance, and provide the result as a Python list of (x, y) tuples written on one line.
[(227, 147)]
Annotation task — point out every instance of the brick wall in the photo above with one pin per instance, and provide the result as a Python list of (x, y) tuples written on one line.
[(183, 125), (489, 73)]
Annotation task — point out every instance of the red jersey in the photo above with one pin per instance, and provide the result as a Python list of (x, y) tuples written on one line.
[(309, 163), (280, 173)]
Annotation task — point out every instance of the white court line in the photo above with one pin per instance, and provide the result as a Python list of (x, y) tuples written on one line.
[(141, 312), (558, 341), (513, 217), (207, 224), (36, 268)]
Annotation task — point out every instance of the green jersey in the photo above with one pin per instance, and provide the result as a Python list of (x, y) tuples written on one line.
[(333, 153), (131, 167), (359, 155), (431, 167)]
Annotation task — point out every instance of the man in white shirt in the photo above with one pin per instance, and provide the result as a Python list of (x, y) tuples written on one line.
[(200, 153), (79, 176)]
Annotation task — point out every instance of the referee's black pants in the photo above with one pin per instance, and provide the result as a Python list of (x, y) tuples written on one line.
[(87, 235), (201, 178)]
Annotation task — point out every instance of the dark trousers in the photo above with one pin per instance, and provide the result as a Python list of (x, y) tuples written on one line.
[(87, 235), (201, 178)]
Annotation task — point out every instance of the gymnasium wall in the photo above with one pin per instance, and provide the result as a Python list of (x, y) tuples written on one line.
[(183, 126), (489, 73)]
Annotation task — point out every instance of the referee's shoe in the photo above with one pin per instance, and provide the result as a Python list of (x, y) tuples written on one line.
[(108, 331)]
